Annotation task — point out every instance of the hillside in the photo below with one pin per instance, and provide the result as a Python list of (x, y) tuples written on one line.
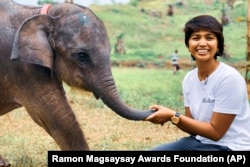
[(150, 36)]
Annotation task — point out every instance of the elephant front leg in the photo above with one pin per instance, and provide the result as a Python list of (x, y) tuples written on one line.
[(60, 122)]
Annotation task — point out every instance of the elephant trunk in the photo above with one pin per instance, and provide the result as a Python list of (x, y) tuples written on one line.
[(109, 95)]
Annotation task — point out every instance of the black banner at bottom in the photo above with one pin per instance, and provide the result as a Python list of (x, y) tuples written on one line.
[(149, 158)]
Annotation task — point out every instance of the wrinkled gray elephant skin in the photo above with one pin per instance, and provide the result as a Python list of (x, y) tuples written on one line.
[(39, 51)]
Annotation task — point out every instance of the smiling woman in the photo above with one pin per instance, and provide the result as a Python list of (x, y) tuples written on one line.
[(208, 104)]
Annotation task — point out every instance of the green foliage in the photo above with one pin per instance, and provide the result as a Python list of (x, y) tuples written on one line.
[(134, 2), (42, 2), (148, 36)]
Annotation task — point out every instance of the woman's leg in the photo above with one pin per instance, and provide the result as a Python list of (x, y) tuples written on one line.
[(174, 68), (189, 144), (185, 143)]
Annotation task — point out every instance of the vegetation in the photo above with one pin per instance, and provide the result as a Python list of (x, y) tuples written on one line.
[(147, 37), (41, 2)]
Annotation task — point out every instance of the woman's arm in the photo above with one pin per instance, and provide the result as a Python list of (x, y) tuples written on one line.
[(214, 130)]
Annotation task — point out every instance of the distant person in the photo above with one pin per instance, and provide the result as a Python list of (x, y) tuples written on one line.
[(174, 61), (217, 114)]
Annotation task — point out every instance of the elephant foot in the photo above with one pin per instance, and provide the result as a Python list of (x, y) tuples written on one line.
[(4, 163)]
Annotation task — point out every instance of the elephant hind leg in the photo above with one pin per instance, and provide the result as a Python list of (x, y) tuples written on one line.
[(4, 163)]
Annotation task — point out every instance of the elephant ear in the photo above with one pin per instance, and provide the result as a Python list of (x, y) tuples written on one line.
[(32, 42)]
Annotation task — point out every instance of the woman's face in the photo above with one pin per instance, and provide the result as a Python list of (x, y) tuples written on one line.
[(203, 45)]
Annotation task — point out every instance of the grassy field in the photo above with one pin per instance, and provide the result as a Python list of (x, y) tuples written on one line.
[(24, 143), (146, 37)]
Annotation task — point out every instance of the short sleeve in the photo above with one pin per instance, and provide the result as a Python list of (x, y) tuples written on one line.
[(230, 96), (185, 91)]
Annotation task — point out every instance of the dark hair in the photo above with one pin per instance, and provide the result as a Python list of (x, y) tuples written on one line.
[(208, 23)]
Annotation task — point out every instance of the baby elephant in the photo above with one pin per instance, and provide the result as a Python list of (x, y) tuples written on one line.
[(43, 46)]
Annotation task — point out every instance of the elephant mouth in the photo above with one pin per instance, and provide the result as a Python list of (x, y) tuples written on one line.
[(104, 88), (96, 96)]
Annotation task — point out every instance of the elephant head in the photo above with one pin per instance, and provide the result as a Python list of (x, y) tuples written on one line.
[(72, 43)]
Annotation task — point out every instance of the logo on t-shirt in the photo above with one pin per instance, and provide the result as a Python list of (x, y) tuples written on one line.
[(207, 100)]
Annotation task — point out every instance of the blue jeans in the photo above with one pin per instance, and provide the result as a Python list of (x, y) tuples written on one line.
[(189, 144)]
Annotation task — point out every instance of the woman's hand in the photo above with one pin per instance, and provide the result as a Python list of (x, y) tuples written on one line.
[(162, 114)]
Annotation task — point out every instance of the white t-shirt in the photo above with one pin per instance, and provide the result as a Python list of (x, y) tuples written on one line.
[(174, 59), (224, 91)]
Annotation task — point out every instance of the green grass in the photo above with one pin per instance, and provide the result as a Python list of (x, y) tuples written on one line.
[(142, 87), (146, 37)]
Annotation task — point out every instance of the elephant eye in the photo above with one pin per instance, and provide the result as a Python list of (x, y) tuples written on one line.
[(82, 57)]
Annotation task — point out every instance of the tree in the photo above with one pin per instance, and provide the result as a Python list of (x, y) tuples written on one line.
[(68, 1), (119, 46), (42, 2), (248, 45), (248, 33)]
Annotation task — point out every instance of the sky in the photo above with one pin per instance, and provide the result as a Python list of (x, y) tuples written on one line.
[(80, 2)]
